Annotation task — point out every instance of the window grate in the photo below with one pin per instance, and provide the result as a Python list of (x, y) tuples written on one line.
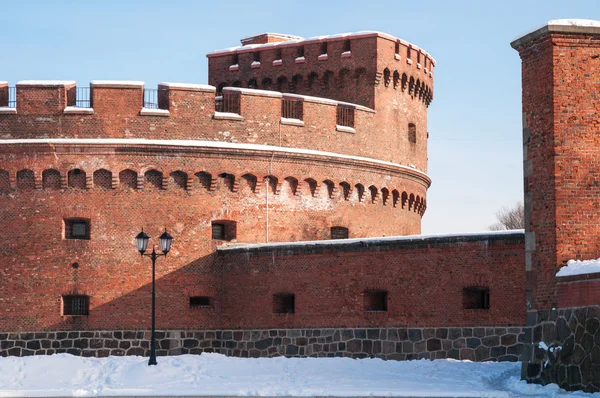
[(155, 98), (82, 97), (227, 102), (345, 116), (76, 305), (77, 229), (339, 233), (292, 109), (218, 231), (12, 97)]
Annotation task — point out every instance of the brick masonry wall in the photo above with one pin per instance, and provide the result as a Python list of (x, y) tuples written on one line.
[(561, 150), (572, 359), (471, 343)]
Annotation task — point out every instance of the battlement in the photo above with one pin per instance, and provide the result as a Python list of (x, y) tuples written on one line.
[(125, 109), (345, 67)]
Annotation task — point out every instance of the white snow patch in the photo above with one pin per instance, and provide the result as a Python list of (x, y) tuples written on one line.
[(367, 241), (579, 267), (575, 22), (193, 86), (543, 346), (118, 83), (217, 375), (207, 144), (300, 59), (347, 53), (45, 82), (255, 63)]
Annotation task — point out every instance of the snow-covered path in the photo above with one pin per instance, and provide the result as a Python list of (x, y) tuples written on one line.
[(214, 374)]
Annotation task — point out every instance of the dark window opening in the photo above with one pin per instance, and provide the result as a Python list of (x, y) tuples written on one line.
[(256, 56), (77, 228), (300, 51), (397, 49), (412, 133), (324, 48), (76, 305), (234, 59), (476, 298), (200, 301), (408, 52), (346, 45), (345, 116), (284, 303), (278, 54), (375, 300), (223, 230), (339, 233)]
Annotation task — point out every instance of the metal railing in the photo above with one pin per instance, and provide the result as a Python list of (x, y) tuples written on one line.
[(151, 98), (229, 103), (82, 97), (345, 116), (291, 109), (12, 97)]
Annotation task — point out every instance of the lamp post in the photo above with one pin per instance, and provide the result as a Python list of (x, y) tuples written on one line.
[(165, 245)]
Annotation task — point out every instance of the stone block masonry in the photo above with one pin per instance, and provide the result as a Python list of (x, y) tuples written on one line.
[(565, 348), (470, 343)]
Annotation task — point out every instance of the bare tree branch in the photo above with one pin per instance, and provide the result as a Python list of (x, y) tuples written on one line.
[(510, 218)]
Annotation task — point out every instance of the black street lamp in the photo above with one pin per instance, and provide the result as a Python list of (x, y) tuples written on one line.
[(165, 245)]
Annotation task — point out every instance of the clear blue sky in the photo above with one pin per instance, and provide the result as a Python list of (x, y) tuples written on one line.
[(474, 120)]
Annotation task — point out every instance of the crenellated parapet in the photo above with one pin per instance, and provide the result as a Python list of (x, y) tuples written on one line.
[(126, 109)]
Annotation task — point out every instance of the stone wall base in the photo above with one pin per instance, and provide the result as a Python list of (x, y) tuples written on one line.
[(570, 353), (476, 344)]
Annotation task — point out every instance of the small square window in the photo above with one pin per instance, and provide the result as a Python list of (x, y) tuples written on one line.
[(375, 300), (77, 228), (200, 301), (284, 303), (76, 305), (339, 233), (224, 230), (476, 298)]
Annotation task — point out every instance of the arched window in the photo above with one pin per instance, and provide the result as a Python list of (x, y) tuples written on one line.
[(359, 75), (271, 183), (76, 179), (385, 194), (267, 84), (4, 181), (296, 83), (282, 84), (411, 85), (360, 191), (51, 179), (250, 182), (313, 77), (228, 180), (330, 187), (373, 191), (153, 180), (411, 202), (312, 186), (404, 82), (252, 83), (179, 179), (220, 88), (128, 179), (345, 189), (291, 185), (404, 200), (327, 77), (412, 133), (386, 77), (205, 179), (395, 197), (102, 179), (396, 79), (344, 73)]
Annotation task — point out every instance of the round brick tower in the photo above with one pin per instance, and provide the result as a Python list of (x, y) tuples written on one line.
[(295, 140)]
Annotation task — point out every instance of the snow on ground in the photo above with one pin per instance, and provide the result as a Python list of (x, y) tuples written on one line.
[(215, 374), (579, 267)]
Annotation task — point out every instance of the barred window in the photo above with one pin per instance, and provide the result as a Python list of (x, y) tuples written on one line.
[(224, 230), (76, 305), (291, 109), (284, 303), (77, 228), (375, 300), (345, 116), (339, 233)]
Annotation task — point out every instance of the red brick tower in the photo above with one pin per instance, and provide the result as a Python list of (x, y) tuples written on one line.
[(561, 147)]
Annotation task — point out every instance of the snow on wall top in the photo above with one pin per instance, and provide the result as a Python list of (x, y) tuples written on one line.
[(367, 241), (290, 37), (189, 86), (117, 83), (45, 82), (579, 267), (567, 25), (301, 40)]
